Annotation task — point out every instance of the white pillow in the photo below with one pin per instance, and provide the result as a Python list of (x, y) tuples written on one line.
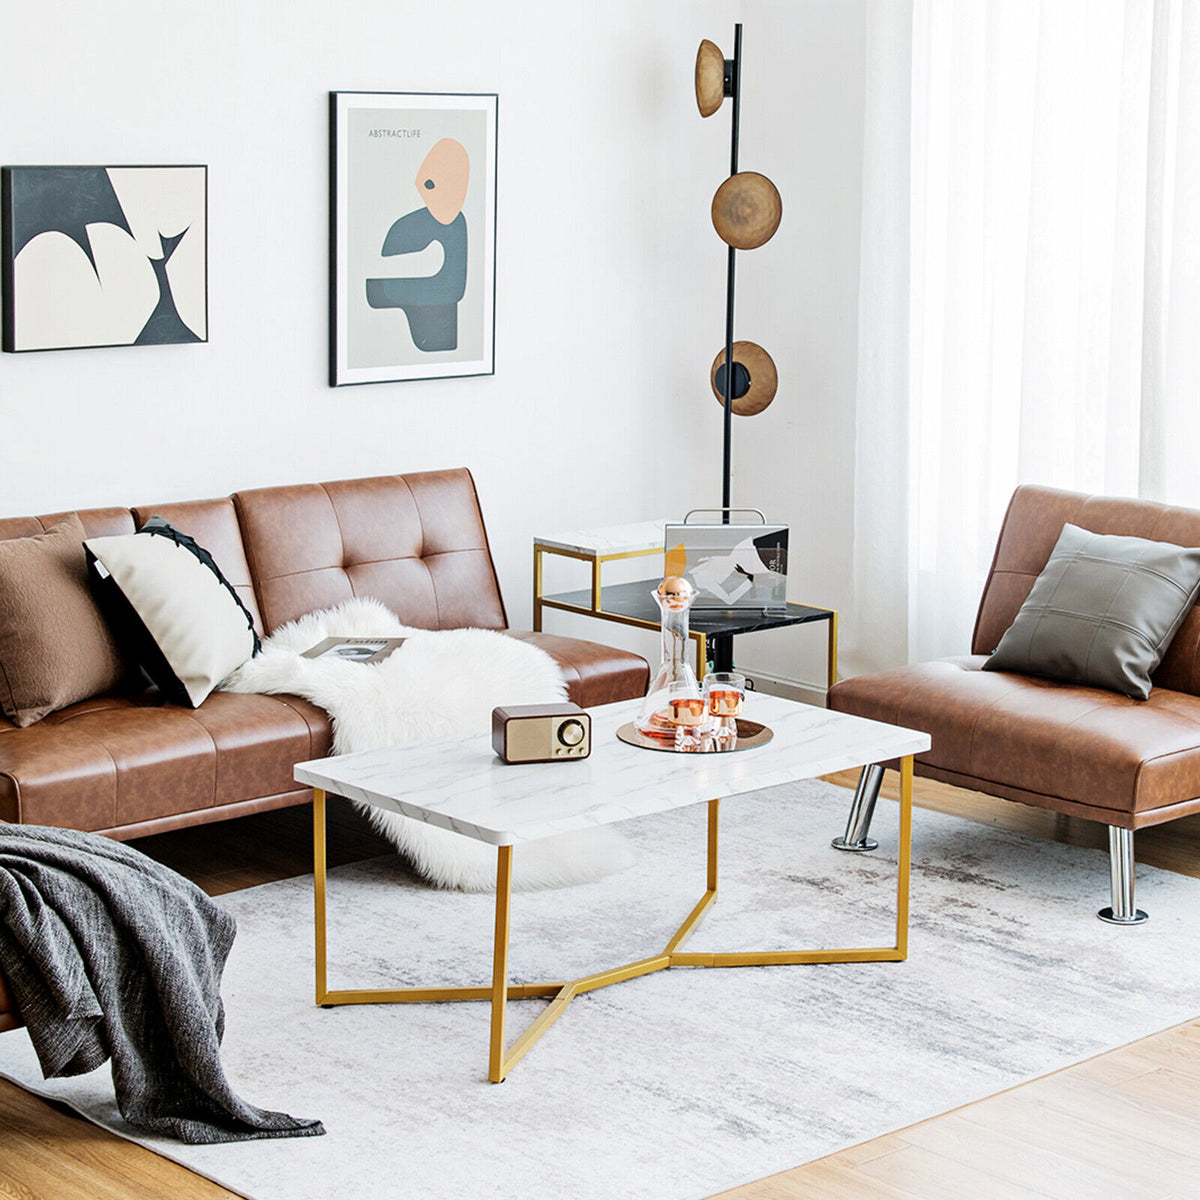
[(172, 608)]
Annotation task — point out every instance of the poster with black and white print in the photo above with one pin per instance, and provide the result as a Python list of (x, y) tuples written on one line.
[(104, 256)]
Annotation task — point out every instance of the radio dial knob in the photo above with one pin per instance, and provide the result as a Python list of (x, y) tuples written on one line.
[(570, 733)]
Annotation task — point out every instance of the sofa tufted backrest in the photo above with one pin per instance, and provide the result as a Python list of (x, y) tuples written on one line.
[(97, 522), (1035, 518), (213, 523), (416, 542)]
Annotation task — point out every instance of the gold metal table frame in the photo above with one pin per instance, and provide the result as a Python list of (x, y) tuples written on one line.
[(597, 610), (562, 992)]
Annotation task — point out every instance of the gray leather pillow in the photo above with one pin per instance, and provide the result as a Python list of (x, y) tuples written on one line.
[(1102, 612)]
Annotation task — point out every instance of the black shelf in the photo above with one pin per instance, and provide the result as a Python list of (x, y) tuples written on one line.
[(634, 600)]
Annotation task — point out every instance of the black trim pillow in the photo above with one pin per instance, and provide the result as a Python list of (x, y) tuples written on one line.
[(172, 609), (1102, 612)]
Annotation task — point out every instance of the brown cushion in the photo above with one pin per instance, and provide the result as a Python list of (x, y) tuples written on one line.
[(55, 648)]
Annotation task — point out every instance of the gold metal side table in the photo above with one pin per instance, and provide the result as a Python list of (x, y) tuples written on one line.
[(630, 603)]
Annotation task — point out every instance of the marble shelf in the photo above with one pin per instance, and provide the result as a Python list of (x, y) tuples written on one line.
[(644, 537)]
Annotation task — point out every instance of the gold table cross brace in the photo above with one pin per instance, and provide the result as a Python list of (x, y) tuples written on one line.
[(562, 992)]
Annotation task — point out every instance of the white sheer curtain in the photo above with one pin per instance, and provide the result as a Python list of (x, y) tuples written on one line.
[(1030, 295)]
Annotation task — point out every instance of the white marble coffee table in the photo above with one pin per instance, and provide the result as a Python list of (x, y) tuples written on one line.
[(461, 785)]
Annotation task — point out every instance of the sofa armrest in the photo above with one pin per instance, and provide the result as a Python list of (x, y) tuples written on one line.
[(595, 674)]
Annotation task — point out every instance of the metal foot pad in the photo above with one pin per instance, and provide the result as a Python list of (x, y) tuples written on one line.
[(840, 843), (1106, 914)]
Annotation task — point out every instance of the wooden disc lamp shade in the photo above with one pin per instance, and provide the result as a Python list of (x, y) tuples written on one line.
[(754, 379), (746, 212), (710, 78)]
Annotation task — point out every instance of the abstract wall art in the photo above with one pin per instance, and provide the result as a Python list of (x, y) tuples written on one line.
[(412, 236), (103, 256)]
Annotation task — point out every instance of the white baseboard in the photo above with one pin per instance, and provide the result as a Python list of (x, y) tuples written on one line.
[(787, 689)]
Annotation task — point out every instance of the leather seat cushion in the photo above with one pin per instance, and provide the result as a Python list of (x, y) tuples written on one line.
[(1088, 746), (114, 761), (595, 674)]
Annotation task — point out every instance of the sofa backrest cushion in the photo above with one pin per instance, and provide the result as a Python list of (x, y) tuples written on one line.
[(97, 522), (415, 542), (1035, 518), (214, 525)]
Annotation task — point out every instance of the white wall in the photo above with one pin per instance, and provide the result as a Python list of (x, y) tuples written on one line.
[(610, 280), (797, 296)]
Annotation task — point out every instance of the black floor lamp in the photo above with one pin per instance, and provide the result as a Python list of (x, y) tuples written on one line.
[(746, 211)]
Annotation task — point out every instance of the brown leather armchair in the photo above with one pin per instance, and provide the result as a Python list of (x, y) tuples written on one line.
[(1081, 751)]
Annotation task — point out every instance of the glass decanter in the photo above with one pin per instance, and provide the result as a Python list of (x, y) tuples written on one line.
[(674, 598)]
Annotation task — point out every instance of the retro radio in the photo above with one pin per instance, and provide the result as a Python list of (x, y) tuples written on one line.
[(541, 733)]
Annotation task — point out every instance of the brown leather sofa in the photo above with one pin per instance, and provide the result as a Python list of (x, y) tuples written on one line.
[(127, 765), (1081, 751)]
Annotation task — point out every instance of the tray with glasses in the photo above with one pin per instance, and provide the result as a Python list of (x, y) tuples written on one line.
[(687, 719)]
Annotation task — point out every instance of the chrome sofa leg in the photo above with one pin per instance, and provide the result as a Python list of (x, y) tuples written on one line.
[(858, 824), (1120, 854)]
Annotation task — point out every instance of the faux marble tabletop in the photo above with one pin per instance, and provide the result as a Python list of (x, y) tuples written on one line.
[(612, 539), (460, 783)]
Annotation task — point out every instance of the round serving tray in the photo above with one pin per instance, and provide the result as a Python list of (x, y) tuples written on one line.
[(750, 735)]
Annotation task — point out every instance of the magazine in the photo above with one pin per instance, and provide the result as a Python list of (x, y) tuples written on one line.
[(366, 650)]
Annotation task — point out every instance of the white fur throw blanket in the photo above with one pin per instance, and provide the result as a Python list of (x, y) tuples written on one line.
[(438, 684)]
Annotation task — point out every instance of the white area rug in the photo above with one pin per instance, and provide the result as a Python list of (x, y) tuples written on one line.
[(686, 1082)]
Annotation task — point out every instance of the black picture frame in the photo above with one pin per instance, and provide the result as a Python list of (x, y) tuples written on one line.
[(85, 250), (435, 318)]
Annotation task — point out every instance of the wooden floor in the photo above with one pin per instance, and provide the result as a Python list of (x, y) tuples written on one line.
[(1125, 1124)]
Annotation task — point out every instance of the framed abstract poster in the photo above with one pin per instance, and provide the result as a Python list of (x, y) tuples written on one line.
[(103, 256), (412, 236)]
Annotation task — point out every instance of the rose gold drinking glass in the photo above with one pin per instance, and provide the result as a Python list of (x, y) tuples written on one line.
[(725, 695), (687, 711)]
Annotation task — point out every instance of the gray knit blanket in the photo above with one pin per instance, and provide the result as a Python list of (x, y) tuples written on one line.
[(109, 954)]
